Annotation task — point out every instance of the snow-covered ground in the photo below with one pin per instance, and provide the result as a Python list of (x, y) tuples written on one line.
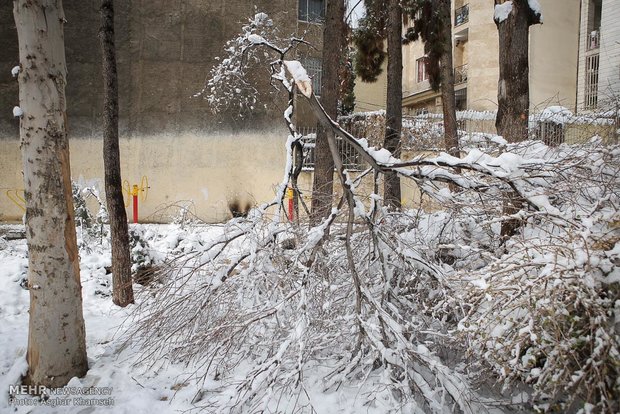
[(130, 389), (422, 311), (116, 382)]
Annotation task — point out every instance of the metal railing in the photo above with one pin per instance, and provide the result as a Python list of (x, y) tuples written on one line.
[(460, 74), (591, 87), (461, 15), (351, 159), (594, 40)]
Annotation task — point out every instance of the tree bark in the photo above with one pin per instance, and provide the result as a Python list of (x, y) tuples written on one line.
[(513, 90), (56, 335), (122, 291), (333, 42), (394, 111), (513, 93), (451, 138)]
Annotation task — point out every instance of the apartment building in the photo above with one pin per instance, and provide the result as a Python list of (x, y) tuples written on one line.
[(599, 55), (554, 52)]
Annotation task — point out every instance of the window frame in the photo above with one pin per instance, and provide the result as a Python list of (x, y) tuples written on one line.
[(421, 63), (306, 16), (314, 69)]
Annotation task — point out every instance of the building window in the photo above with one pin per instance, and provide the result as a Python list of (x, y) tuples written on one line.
[(422, 67), (460, 99), (314, 68), (311, 10), (461, 15), (460, 74), (591, 92), (593, 38)]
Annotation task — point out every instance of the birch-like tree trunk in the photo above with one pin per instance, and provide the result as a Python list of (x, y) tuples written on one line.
[(333, 42), (394, 109), (56, 340), (122, 291)]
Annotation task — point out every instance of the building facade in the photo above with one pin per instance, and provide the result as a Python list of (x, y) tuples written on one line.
[(553, 59), (165, 51), (599, 55)]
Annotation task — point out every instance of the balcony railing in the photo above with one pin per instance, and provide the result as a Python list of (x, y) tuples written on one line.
[(460, 74), (594, 40), (461, 15)]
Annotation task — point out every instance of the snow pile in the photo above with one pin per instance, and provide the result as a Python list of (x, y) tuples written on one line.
[(502, 11), (556, 114), (296, 70), (300, 76)]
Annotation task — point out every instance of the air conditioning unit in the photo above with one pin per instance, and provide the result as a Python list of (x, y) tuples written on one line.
[(438, 101)]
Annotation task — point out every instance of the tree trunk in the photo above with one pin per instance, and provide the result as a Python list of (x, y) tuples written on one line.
[(513, 93), (122, 291), (394, 111), (513, 89), (333, 41), (451, 138), (56, 340)]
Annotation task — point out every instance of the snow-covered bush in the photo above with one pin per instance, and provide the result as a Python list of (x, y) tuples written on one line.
[(140, 252), (401, 306), (546, 311), (90, 227)]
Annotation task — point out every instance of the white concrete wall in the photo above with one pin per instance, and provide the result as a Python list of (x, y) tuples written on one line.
[(371, 96), (554, 55), (209, 170), (483, 57)]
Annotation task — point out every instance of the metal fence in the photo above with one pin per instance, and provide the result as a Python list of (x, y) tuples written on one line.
[(426, 132), (351, 159)]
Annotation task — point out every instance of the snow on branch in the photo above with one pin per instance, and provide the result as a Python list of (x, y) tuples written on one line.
[(414, 310), (228, 86)]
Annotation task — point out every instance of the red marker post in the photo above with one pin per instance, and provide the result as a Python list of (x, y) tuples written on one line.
[(290, 193), (134, 192)]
